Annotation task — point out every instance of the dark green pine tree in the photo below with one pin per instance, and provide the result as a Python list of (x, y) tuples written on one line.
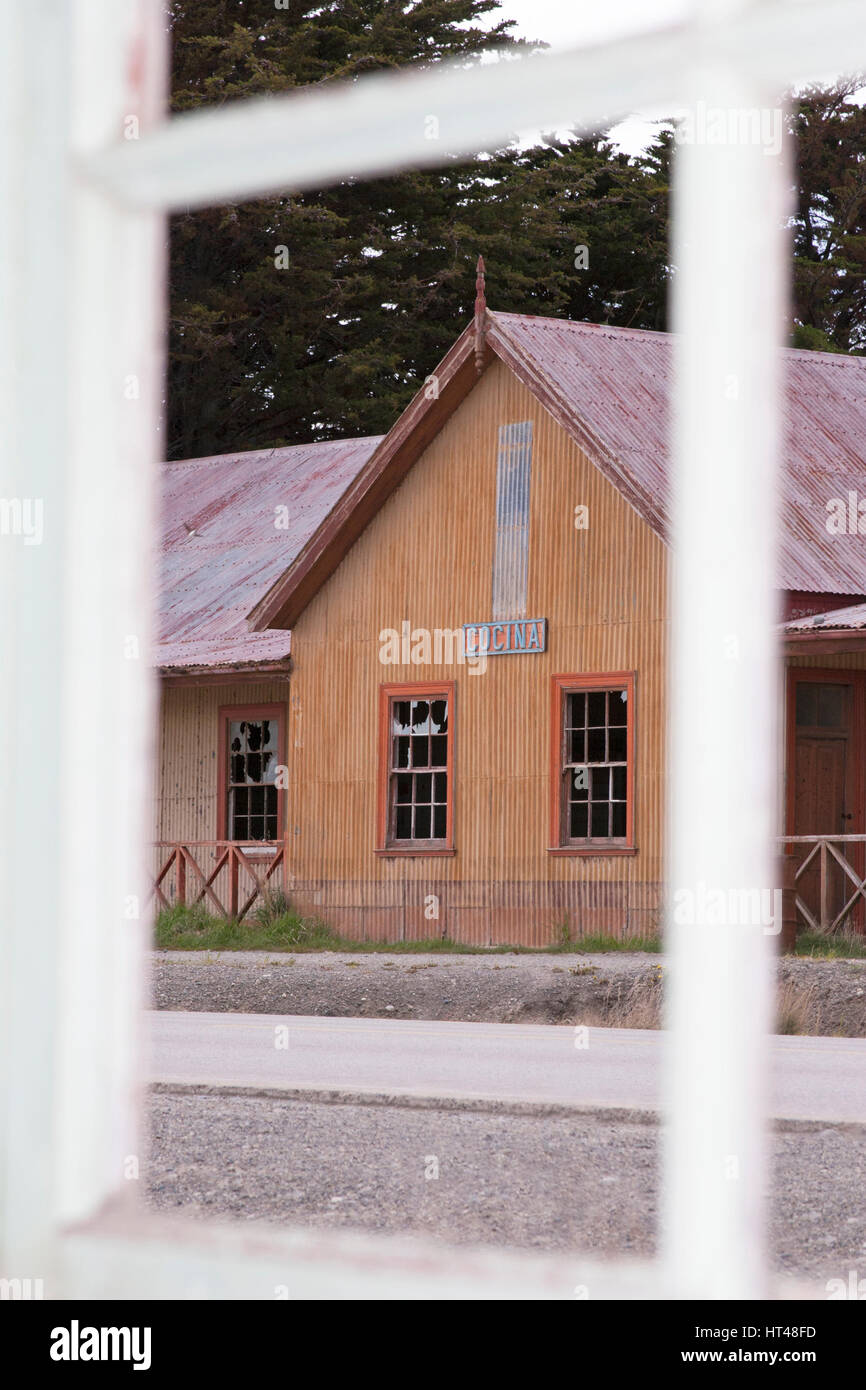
[(332, 336), (829, 225)]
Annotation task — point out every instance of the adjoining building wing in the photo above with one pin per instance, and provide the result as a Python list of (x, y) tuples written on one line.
[(231, 525)]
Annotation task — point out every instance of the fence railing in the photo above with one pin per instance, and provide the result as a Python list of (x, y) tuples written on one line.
[(227, 876), (829, 876)]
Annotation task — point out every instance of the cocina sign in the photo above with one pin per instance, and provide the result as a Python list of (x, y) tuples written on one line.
[(499, 639)]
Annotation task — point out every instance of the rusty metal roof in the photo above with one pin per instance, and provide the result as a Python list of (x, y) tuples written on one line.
[(851, 619), (225, 541), (610, 388), (223, 554)]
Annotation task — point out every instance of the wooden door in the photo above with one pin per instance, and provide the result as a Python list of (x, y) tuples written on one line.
[(823, 782)]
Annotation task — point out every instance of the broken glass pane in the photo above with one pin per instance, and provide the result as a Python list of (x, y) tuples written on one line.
[(439, 715), (420, 717)]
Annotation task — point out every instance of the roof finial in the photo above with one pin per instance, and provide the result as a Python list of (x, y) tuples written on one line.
[(480, 315)]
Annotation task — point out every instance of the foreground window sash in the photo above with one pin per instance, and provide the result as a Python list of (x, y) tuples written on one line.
[(251, 806), (592, 764), (416, 769)]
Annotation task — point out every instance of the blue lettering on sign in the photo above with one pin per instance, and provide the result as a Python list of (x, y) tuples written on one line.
[(501, 639)]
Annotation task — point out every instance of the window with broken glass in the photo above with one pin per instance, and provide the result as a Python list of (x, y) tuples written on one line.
[(595, 766), (418, 771), (252, 792)]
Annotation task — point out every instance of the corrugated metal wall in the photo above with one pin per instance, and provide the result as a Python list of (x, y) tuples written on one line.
[(428, 558)]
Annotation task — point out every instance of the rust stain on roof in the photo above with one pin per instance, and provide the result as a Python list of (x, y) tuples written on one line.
[(230, 525)]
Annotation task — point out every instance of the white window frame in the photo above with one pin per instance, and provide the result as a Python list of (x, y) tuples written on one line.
[(88, 168)]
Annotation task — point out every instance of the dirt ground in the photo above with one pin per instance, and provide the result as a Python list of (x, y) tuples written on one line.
[(616, 990)]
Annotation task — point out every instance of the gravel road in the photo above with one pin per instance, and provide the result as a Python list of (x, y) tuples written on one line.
[(621, 990), (547, 1182)]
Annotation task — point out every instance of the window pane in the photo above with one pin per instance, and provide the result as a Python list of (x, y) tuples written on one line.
[(271, 801), (831, 706), (422, 822), (420, 717), (575, 711), (580, 784), (254, 767), (401, 752), (807, 703), (254, 736), (596, 708), (424, 787), (439, 716), (618, 745), (403, 823), (236, 773), (440, 822), (599, 820), (578, 820), (439, 750), (618, 819), (421, 751), (577, 740), (595, 750), (257, 828), (404, 787), (270, 730), (400, 712), (239, 796), (440, 786), (600, 783), (620, 782), (618, 707)]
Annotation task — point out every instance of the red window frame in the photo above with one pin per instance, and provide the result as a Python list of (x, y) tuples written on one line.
[(226, 716), (564, 685), (386, 844)]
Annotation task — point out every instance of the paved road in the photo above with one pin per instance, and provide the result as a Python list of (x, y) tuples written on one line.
[(814, 1078)]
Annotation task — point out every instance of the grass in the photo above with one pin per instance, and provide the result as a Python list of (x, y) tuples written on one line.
[(274, 926), (831, 947)]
